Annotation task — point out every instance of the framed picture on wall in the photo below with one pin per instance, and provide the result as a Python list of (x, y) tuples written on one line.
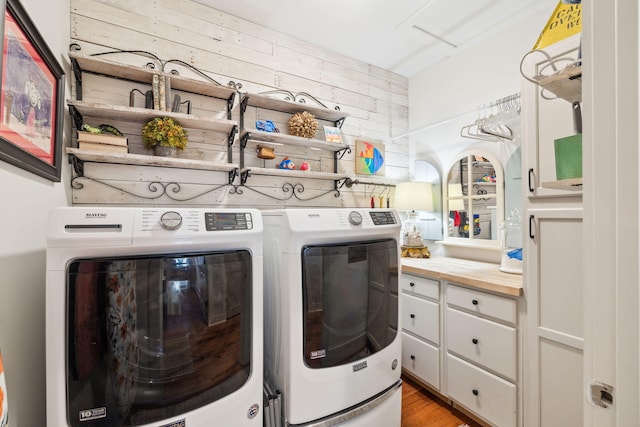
[(31, 97), (370, 158)]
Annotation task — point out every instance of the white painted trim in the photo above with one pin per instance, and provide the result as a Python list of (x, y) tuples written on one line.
[(612, 187)]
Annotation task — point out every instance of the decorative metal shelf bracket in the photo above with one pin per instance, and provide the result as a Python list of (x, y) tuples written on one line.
[(156, 189), (77, 117), (290, 191), (78, 165), (77, 74), (300, 97), (338, 123), (230, 102), (342, 182), (230, 139), (340, 154), (232, 135), (232, 175), (244, 176), (243, 105), (243, 140)]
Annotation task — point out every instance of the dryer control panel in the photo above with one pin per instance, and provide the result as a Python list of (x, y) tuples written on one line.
[(215, 221), (383, 218)]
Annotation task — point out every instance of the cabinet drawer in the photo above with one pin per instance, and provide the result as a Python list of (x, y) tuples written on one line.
[(419, 286), (490, 344), (421, 317), (483, 303), (489, 396), (421, 359)]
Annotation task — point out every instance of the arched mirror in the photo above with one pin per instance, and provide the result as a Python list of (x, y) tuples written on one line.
[(474, 200)]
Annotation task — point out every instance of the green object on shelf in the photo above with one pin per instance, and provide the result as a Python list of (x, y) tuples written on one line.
[(568, 153)]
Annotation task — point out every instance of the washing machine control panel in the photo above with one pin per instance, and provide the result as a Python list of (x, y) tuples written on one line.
[(383, 218), (217, 221)]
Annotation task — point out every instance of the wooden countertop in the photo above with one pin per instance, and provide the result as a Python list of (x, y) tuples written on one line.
[(481, 275)]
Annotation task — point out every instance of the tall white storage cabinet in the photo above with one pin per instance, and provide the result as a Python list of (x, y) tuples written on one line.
[(553, 282)]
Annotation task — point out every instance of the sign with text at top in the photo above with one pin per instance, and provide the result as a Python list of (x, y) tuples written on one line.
[(565, 21)]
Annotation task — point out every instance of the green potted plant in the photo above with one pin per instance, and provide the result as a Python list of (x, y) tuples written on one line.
[(165, 136)]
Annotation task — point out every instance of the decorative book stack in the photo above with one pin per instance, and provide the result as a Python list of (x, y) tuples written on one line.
[(102, 142), (332, 134)]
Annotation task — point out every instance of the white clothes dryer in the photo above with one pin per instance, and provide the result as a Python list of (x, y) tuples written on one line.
[(154, 317), (332, 340)]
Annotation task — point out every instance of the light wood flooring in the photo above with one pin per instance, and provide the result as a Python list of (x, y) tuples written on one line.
[(420, 408)]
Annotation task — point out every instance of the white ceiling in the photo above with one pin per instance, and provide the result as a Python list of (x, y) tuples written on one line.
[(402, 36)]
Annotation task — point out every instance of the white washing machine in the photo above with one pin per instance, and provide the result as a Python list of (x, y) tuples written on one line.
[(154, 317), (332, 337)]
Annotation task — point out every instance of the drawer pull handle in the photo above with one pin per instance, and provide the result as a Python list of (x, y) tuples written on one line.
[(474, 302), (474, 340), (412, 284), (413, 316), (413, 357), (475, 392)]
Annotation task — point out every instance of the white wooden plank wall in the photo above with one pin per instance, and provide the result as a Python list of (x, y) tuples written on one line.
[(230, 49)]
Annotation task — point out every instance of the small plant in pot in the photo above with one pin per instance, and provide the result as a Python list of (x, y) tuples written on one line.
[(164, 136)]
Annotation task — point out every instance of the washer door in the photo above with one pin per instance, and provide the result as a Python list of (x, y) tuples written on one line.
[(350, 295), (150, 338)]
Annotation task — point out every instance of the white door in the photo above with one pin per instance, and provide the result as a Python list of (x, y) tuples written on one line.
[(611, 190), (554, 288)]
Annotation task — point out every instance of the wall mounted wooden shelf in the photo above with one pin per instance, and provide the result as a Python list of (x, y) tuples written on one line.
[(142, 115), (98, 65), (144, 160), (275, 104)]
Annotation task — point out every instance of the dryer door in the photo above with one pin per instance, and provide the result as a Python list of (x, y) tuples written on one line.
[(150, 338), (350, 297)]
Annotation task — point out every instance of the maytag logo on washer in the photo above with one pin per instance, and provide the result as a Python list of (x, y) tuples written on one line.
[(179, 423), (318, 354), (93, 414), (95, 215), (359, 366)]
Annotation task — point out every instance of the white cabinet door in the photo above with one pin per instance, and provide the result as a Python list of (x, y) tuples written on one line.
[(554, 344), (545, 120)]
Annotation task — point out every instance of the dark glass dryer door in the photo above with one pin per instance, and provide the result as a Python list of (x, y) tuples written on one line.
[(149, 338), (350, 299)]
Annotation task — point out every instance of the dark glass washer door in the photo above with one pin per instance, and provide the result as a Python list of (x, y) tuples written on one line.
[(350, 298), (151, 338)]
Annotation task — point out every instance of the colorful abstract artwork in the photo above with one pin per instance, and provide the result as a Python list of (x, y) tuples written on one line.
[(369, 158)]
